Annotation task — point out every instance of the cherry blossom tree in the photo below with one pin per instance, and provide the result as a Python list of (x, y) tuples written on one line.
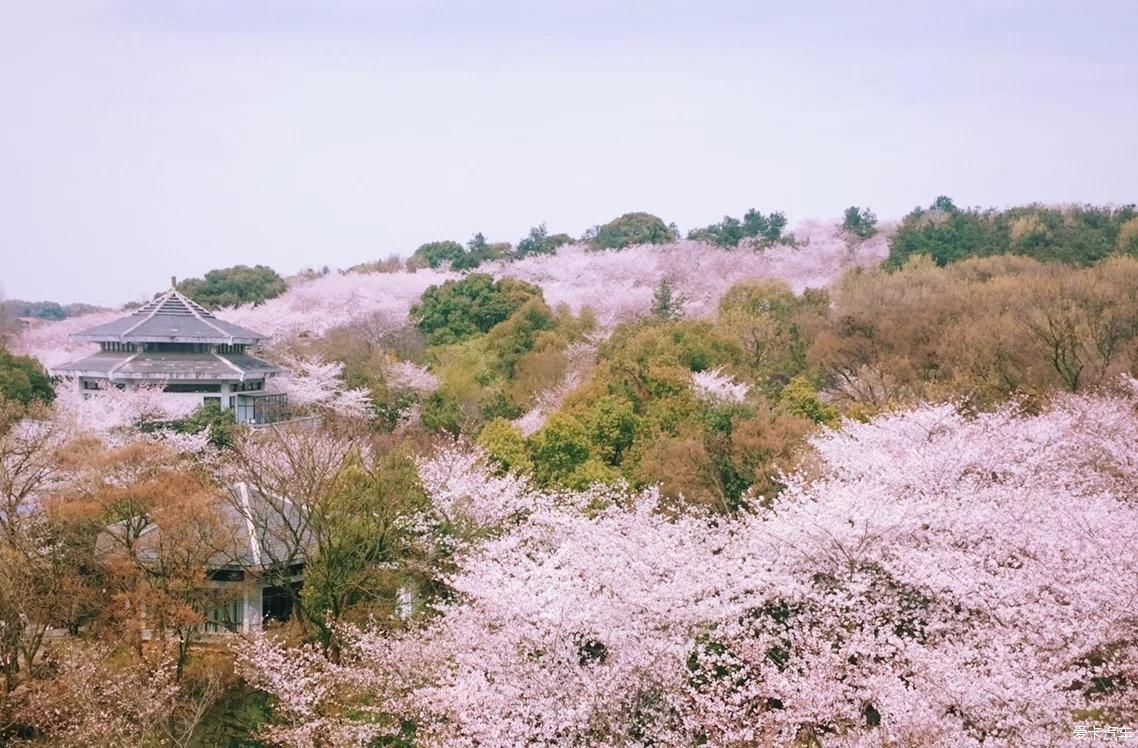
[(936, 579), (109, 410), (97, 698), (575, 275), (313, 382), (407, 375), (314, 306), (32, 559), (581, 359), (700, 273), (51, 342), (716, 385)]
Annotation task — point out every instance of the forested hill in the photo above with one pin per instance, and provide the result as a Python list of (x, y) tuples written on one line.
[(840, 482)]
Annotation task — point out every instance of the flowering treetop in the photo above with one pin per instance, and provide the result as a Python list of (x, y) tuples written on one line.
[(939, 581)]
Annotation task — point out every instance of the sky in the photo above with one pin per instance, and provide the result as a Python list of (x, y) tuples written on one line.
[(143, 140)]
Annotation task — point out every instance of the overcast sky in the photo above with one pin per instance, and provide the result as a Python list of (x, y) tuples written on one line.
[(140, 140)]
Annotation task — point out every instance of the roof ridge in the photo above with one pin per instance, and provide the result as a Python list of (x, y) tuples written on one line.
[(201, 317), (148, 317), (230, 364), (247, 511)]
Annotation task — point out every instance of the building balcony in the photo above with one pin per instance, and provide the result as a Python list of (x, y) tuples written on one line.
[(261, 408)]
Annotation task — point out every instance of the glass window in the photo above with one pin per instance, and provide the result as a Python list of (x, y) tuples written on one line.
[(176, 347), (191, 387), (261, 409), (276, 602), (110, 347), (228, 616)]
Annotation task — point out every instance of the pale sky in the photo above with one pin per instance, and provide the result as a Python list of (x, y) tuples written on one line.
[(140, 140)]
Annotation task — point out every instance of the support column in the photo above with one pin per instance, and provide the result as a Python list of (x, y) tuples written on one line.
[(251, 621)]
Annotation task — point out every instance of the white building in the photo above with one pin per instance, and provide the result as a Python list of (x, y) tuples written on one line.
[(177, 344), (253, 558)]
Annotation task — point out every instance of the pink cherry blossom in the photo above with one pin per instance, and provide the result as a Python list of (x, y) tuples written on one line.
[(406, 375), (109, 410), (935, 579), (313, 382), (715, 385)]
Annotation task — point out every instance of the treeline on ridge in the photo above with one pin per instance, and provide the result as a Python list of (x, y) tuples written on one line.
[(980, 331)]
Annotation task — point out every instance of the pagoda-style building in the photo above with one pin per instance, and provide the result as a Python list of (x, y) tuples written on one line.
[(179, 345)]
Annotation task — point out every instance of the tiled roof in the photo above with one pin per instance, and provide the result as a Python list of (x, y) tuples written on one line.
[(224, 367), (254, 532), (274, 531), (171, 318)]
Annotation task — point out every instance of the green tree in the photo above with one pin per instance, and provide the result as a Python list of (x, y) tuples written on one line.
[(460, 309), (239, 284), (611, 424), (768, 229), (435, 254), (558, 450), (43, 309), (633, 228), (760, 230), (515, 337), (540, 242), (1075, 235), (801, 399), (859, 222), (23, 379), (478, 251), (666, 303), (221, 424), (365, 549), (505, 446), (442, 412)]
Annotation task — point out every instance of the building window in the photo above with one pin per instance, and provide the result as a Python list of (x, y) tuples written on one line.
[(191, 387), (227, 348), (250, 386), (109, 347), (276, 602), (176, 347), (226, 575), (90, 384), (228, 616), (261, 409)]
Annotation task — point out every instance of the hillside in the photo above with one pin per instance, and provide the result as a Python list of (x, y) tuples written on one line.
[(753, 487)]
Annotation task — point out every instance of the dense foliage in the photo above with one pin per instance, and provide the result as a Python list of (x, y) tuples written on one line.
[(539, 242), (917, 591), (755, 229), (677, 494), (457, 257), (49, 310), (983, 329), (632, 228), (1078, 235), (23, 380), (434, 254), (658, 405), (456, 310), (859, 222), (239, 284), (214, 421), (478, 251)]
